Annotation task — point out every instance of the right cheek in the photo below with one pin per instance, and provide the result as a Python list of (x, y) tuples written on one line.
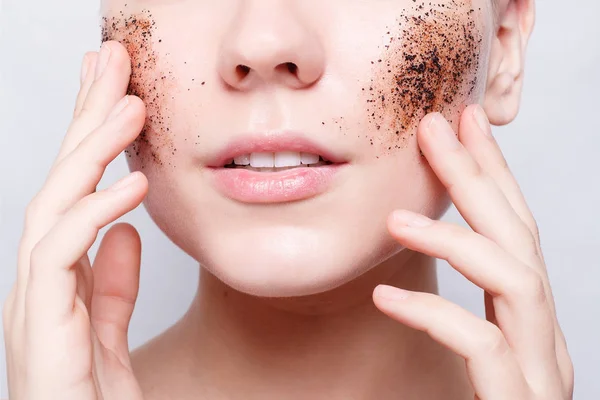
[(150, 80)]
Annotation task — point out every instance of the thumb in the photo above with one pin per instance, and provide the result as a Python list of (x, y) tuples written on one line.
[(116, 272)]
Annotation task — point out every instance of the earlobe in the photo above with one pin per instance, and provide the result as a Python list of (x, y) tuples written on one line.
[(505, 72)]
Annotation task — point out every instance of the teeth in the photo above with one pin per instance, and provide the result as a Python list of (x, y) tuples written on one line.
[(308, 158), (242, 160), (287, 159), (276, 160), (262, 160)]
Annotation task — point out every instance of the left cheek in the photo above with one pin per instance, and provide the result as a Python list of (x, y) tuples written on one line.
[(432, 63)]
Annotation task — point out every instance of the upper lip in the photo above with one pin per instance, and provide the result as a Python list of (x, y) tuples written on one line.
[(271, 143)]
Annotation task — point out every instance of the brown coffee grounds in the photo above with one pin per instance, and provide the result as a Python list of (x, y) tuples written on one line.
[(430, 64), (148, 81)]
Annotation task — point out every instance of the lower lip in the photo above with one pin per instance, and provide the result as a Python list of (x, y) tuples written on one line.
[(294, 184)]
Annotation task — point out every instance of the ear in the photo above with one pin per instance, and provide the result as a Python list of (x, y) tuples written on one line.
[(515, 20)]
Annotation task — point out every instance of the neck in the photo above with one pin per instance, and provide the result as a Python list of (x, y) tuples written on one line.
[(333, 345)]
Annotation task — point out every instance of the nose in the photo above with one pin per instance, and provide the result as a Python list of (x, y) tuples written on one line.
[(269, 43)]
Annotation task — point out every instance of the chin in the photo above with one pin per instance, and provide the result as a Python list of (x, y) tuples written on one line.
[(292, 262), (293, 249)]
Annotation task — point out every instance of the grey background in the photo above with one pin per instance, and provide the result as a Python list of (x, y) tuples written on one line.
[(553, 149)]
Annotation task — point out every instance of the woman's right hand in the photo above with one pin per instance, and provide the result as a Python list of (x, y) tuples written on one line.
[(66, 323)]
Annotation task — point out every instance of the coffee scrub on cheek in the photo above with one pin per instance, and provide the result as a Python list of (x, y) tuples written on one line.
[(429, 63), (150, 80)]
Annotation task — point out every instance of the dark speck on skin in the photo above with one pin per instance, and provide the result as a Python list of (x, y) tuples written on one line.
[(429, 64), (150, 80), (136, 33)]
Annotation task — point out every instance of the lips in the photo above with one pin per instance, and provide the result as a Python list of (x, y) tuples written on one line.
[(272, 143), (309, 169)]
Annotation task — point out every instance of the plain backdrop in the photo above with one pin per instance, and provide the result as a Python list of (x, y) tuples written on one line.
[(553, 149)]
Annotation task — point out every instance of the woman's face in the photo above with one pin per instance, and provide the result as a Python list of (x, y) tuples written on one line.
[(280, 83)]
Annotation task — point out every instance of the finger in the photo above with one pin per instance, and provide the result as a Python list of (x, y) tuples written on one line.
[(116, 276), (50, 292), (475, 194), (76, 177), (519, 298), (116, 282), (88, 69), (78, 174), (111, 78), (477, 138), (492, 367)]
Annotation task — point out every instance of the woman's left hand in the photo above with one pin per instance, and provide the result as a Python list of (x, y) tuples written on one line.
[(519, 352)]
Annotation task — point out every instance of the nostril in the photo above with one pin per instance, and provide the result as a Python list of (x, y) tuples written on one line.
[(288, 67), (242, 71), (293, 68)]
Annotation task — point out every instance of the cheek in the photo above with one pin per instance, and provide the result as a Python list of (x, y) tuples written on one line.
[(430, 63), (151, 80)]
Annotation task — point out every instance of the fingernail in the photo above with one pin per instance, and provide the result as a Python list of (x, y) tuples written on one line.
[(118, 108), (85, 67), (103, 58), (443, 132), (482, 121), (391, 292), (124, 182), (413, 220)]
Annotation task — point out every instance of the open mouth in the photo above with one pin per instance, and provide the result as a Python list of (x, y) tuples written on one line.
[(275, 162), (274, 168)]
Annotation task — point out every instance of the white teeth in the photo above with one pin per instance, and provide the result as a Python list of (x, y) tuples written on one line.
[(308, 158), (287, 159), (281, 159), (262, 160), (242, 160)]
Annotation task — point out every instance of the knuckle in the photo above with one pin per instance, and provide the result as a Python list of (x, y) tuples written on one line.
[(475, 176), (463, 240), (77, 106), (492, 342), (504, 165), (459, 233), (36, 260), (530, 285), (462, 237), (534, 227), (33, 211), (86, 203), (529, 237), (85, 114), (478, 173), (523, 238), (86, 209)]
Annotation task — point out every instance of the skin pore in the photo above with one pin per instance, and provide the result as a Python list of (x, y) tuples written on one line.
[(284, 306)]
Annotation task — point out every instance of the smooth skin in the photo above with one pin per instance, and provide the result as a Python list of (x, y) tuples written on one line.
[(66, 323)]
